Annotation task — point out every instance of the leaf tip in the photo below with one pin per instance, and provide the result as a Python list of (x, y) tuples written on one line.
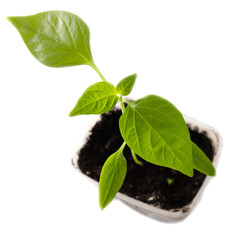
[(10, 19), (102, 201), (74, 112), (71, 114), (212, 172), (102, 205), (189, 171)]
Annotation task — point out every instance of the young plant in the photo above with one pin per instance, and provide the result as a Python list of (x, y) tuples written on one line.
[(152, 127)]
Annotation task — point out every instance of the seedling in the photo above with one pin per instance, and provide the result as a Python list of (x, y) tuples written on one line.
[(170, 181), (152, 127)]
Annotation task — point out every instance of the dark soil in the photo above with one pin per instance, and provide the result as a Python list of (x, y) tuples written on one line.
[(147, 183)]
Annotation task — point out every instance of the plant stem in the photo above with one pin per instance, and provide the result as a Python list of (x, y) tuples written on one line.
[(121, 104), (122, 146), (97, 70), (136, 159), (129, 103)]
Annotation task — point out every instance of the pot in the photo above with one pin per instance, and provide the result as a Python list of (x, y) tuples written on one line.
[(175, 214)]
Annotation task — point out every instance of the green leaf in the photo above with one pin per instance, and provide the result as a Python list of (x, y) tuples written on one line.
[(99, 98), (112, 177), (55, 38), (156, 131), (125, 86), (201, 162)]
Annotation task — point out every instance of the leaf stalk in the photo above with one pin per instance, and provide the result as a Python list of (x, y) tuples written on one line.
[(121, 104), (136, 159), (97, 70)]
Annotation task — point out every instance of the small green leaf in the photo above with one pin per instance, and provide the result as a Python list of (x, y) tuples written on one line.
[(170, 181), (201, 162), (55, 38), (125, 86), (99, 98), (156, 131), (112, 177)]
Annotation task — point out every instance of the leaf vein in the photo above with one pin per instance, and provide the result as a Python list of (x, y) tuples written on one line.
[(166, 144), (69, 34), (165, 114), (92, 102), (84, 37), (135, 128), (62, 43)]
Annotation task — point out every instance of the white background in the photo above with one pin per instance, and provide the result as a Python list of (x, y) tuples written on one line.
[(194, 53)]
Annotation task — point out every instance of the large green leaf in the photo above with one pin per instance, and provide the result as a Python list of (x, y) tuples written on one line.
[(112, 177), (156, 131), (201, 162), (125, 86), (99, 98), (55, 38)]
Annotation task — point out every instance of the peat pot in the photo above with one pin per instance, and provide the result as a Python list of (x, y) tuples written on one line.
[(157, 192)]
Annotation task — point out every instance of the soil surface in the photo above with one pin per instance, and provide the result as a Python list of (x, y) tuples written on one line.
[(159, 186)]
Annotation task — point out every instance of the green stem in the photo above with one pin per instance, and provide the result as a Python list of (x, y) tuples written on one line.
[(129, 103), (97, 70), (122, 146), (121, 104), (136, 159)]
